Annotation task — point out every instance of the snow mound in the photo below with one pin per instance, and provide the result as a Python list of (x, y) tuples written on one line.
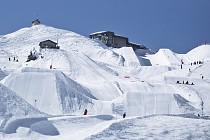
[(51, 91), (199, 53)]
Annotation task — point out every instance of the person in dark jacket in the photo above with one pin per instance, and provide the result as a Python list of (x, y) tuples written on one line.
[(124, 115), (85, 112)]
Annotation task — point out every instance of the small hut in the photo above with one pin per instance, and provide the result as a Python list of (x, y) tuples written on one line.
[(35, 22), (48, 44)]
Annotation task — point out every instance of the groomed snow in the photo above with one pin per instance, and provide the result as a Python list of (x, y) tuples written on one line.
[(107, 82)]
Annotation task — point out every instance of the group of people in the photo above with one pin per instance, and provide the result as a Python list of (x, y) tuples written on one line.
[(184, 83), (196, 62), (86, 112), (14, 59)]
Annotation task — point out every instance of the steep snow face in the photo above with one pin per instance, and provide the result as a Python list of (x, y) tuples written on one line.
[(200, 53), (2, 75), (11, 103), (142, 104), (49, 91), (164, 57), (129, 56)]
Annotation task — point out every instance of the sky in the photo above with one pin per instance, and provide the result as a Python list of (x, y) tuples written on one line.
[(179, 25)]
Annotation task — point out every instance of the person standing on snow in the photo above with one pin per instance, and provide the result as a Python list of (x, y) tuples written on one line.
[(124, 115), (85, 112)]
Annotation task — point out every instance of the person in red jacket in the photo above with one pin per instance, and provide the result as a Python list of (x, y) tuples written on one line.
[(85, 112)]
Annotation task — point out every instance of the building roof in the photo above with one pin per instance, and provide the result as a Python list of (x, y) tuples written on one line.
[(100, 32), (36, 20), (49, 41)]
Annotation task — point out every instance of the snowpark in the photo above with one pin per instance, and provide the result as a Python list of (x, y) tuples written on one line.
[(165, 95)]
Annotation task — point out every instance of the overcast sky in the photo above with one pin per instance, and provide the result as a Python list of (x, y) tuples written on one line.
[(179, 25)]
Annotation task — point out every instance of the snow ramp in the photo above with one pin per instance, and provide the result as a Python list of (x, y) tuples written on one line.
[(164, 57), (49, 90), (141, 104), (131, 60)]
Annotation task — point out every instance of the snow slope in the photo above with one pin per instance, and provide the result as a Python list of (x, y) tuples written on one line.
[(107, 82), (21, 42), (200, 53)]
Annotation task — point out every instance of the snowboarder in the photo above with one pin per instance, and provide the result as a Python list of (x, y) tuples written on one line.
[(85, 112), (124, 114)]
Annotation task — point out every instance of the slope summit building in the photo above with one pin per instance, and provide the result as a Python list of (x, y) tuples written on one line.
[(116, 41)]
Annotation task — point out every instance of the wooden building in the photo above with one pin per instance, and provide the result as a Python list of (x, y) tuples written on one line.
[(112, 40), (48, 44)]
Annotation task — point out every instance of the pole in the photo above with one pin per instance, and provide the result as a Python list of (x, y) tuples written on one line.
[(35, 103), (168, 108), (202, 106)]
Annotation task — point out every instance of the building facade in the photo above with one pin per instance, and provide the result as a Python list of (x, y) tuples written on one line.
[(48, 44), (115, 41)]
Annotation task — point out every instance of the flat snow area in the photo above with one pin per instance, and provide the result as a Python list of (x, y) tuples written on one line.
[(108, 127)]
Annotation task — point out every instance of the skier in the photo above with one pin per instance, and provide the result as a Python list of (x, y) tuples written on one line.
[(50, 66), (124, 114), (85, 112)]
